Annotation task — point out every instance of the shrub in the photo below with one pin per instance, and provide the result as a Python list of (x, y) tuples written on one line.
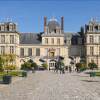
[(45, 65), (10, 67), (26, 66), (1, 63), (12, 73), (34, 65), (15, 73), (92, 65), (81, 66)]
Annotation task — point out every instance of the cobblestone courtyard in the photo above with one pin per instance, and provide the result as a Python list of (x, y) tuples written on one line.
[(47, 85)]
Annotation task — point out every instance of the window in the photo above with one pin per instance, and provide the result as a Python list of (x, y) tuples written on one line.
[(7, 27), (11, 49), (2, 38), (54, 30), (29, 51), (91, 39), (10, 27), (46, 40), (22, 52), (37, 51), (58, 41), (91, 28), (52, 41), (2, 27), (91, 50), (2, 50), (11, 39)]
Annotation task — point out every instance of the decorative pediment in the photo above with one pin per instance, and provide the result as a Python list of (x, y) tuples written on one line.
[(51, 50)]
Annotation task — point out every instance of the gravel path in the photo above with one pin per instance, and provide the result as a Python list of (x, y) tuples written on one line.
[(47, 85)]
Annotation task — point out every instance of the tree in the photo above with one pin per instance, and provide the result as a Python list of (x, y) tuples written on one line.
[(45, 65), (33, 64), (26, 66), (1, 63), (92, 65), (12, 58)]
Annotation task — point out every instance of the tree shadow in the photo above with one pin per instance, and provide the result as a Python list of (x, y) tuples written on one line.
[(90, 81), (81, 75)]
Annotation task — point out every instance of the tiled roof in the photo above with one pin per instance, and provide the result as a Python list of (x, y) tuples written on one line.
[(29, 38)]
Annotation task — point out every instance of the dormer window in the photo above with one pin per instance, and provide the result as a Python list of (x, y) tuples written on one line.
[(54, 30), (7, 27)]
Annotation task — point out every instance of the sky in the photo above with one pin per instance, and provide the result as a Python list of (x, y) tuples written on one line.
[(29, 14)]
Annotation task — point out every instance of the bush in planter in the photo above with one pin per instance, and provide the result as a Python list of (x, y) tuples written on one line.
[(92, 65), (26, 66), (7, 79), (1, 64), (45, 66), (81, 67), (24, 74), (10, 67), (34, 65)]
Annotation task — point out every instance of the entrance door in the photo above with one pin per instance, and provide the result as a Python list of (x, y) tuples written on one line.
[(51, 65)]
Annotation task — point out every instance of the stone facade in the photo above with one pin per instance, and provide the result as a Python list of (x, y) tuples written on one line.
[(52, 43), (92, 43), (27, 46)]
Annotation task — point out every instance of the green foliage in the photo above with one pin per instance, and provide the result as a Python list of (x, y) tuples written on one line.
[(26, 66), (10, 67), (45, 65), (97, 73), (30, 61), (81, 66), (29, 65), (34, 65), (12, 73), (92, 65), (1, 63), (6, 62), (78, 65)]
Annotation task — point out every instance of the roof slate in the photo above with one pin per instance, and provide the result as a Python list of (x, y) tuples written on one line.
[(29, 38)]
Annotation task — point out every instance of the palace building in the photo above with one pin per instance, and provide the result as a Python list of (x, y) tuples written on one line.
[(48, 45), (51, 43)]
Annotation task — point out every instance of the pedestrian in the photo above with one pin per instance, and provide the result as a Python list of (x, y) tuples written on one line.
[(62, 68), (56, 67), (70, 69)]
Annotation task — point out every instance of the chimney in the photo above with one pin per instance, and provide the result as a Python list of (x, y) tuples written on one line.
[(45, 23), (62, 23)]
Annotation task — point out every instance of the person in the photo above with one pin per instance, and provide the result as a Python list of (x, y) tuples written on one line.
[(70, 69), (62, 68), (56, 68), (33, 70)]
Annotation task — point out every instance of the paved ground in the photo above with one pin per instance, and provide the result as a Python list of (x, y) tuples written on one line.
[(48, 85)]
